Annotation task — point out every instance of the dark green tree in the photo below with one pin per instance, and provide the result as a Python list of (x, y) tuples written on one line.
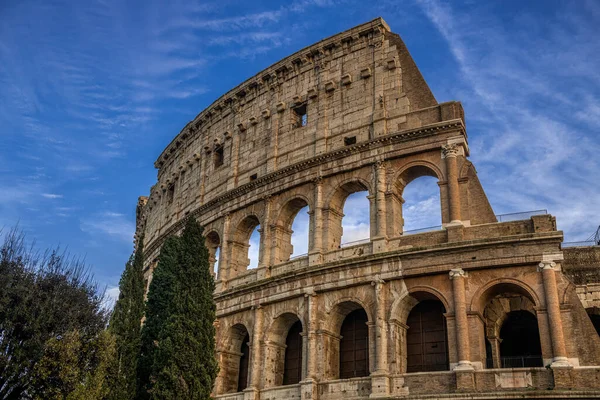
[(179, 335), (52, 317), (126, 324)]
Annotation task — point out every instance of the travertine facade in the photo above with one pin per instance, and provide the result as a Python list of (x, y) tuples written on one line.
[(402, 315)]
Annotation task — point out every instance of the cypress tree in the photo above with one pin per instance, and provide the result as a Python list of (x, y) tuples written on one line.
[(125, 324), (179, 345)]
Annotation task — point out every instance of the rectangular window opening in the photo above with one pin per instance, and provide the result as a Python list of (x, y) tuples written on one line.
[(218, 156), (349, 141), (300, 116)]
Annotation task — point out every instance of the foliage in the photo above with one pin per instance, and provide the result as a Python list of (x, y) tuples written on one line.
[(126, 324), (52, 320), (178, 348)]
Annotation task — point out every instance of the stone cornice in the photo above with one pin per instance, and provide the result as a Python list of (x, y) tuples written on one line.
[(325, 46), (398, 137), (445, 249)]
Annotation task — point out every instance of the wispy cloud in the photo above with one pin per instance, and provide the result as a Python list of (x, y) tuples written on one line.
[(112, 224), (530, 93), (52, 195)]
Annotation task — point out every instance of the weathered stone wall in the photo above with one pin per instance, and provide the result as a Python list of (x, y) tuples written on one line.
[(372, 125)]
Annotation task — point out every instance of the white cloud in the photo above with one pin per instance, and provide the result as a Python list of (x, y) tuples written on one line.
[(112, 224), (52, 195)]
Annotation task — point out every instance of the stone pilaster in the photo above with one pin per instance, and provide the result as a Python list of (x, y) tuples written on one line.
[(465, 376), (224, 267), (450, 152), (309, 342), (559, 352), (316, 241), (380, 380), (380, 237), (458, 276), (253, 390)]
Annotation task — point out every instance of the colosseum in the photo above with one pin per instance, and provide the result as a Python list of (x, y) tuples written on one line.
[(484, 306)]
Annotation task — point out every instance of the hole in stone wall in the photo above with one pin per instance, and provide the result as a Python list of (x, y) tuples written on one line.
[(253, 177), (300, 116), (218, 156), (349, 141)]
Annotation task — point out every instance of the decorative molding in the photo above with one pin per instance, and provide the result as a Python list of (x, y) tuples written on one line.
[(457, 273), (450, 150), (366, 146)]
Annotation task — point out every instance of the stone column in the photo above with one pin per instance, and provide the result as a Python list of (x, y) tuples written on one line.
[(309, 342), (465, 377), (380, 381), (264, 259), (559, 352), (380, 234), (252, 392), (224, 267), (316, 240), (450, 152)]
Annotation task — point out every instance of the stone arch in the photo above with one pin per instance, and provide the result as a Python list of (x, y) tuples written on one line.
[(398, 183), (234, 357), (240, 244), (276, 349), (484, 293), (213, 244), (281, 230), (501, 301), (334, 211), (400, 313)]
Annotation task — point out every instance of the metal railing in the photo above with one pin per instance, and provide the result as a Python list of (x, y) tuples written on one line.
[(298, 256), (518, 216), (355, 243), (423, 230), (586, 243), (521, 362)]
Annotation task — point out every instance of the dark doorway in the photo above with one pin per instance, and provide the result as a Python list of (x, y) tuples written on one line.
[(596, 321), (244, 359), (354, 345), (426, 340), (520, 346), (292, 372)]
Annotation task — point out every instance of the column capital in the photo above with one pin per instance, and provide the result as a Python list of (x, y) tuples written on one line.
[(457, 273), (318, 180), (380, 165), (450, 150), (547, 265)]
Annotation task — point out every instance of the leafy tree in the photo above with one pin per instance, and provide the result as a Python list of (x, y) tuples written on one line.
[(178, 350), (125, 324), (46, 301)]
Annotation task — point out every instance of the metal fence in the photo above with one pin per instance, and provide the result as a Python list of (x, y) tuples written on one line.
[(355, 243), (516, 362), (298, 256), (585, 243), (422, 230), (518, 216)]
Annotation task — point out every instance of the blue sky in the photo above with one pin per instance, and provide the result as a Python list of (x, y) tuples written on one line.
[(92, 91)]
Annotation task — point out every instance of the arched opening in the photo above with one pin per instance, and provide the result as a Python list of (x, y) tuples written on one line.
[(594, 314), (213, 244), (520, 341), (292, 372), (234, 360), (254, 248), (421, 209), (245, 246), (291, 231), (283, 351), (498, 303), (426, 337), (356, 221), (348, 215), (244, 362), (354, 345), (300, 233), (418, 207)]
